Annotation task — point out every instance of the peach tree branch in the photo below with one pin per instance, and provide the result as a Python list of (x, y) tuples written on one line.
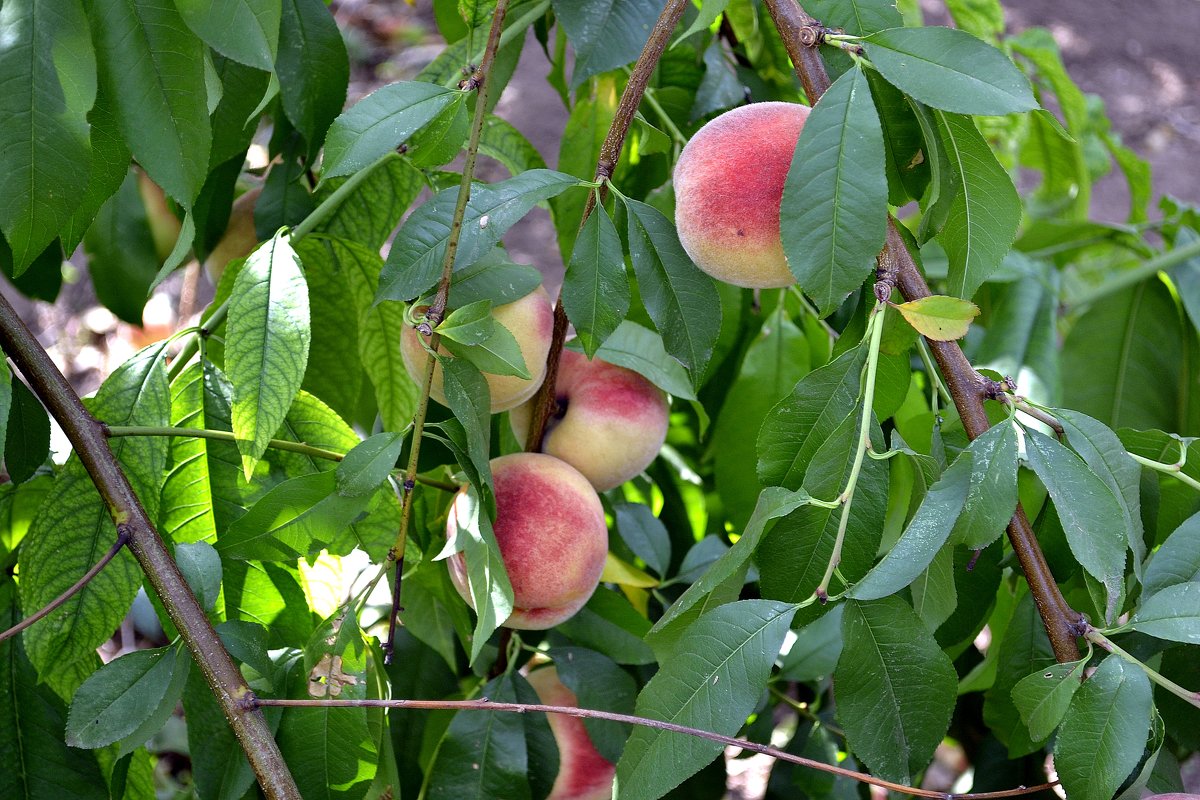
[(801, 35)]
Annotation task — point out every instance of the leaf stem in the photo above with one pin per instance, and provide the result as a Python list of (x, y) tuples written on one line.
[(875, 331), (1175, 470), (1147, 269), (1193, 698), (484, 704), (336, 198), (668, 123), (481, 79), (543, 401)]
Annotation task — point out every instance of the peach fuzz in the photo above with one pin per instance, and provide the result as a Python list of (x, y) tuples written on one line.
[(583, 774), (728, 188), (530, 319), (610, 423), (552, 536)]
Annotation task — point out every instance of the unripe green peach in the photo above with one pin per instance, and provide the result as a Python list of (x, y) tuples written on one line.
[(552, 536), (728, 188), (530, 320), (583, 774), (610, 421)]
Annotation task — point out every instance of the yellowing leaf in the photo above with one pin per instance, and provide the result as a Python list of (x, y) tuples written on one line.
[(939, 317), (625, 574)]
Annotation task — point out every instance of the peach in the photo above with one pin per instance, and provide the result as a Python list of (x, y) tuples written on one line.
[(239, 238), (530, 319), (552, 536), (583, 774), (610, 422), (728, 187), (164, 225)]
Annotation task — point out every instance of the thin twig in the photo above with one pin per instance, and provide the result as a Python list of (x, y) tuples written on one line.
[(481, 80), (1192, 698), (587, 713), (1174, 470), (543, 402), (967, 387), (121, 541)]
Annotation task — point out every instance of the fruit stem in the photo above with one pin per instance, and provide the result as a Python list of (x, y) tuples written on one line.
[(480, 79), (542, 402), (875, 331)]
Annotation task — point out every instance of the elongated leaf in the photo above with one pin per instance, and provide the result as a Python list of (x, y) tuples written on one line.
[(267, 346), (609, 624), (605, 34), (152, 67), (1173, 613), (951, 70), (714, 690), (894, 688), (187, 512), (313, 68), (493, 278), (645, 534), (598, 682), (244, 30), (1024, 649), (122, 258), (982, 219), (641, 350), (491, 590), (924, 536), (1043, 697), (368, 464), (992, 498), (595, 291), (856, 17), (415, 261), (50, 69), (380, 122), (834, 210), (483, 755), (682, 300), (1087, 509), (27, 437), (1176, 561), (120, 697), (939, 318), (110, 162), (371, 212), (1022, 337), (1105, 730)]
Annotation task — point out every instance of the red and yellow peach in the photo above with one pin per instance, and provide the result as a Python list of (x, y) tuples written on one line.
[(583, 774)]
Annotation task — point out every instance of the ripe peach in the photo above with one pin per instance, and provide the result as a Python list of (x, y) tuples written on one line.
[(583, 774), (552, 536), (728, 187), (529, 319), (610, 424)]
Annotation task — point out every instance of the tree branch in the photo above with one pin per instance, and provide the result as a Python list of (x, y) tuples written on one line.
[(87, 437), (610, 153), (967, 387), (484, 704)]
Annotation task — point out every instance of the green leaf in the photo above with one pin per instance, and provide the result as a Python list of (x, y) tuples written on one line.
[(187, 513), (709, 11), (6, 399), (992, 498), (578, 151), (486, 576), (219, 765), (1104, 733), (381, 122), (152, 67), (73, 529), (714, 690), (201, 568), (244, 30), (1023, 649), (798, 424), (236, 116), (908, 157), (815, 651), (595, 291), (498, 354), (641, 350), (598, 683), (27, 438), (110, 162), (1172, 613), (47, 60), (951, 70), (834, 209), (414, 263), (940, 318), (934, 595), (1043, 697), (1122, 360), (483, 754), (122, 258), (856, 17), (367, 466), (894, 688), (469, 324), (924, 536), (682, 300), (467, 396), (38, 764), (499, 140), (777, 357), (982, 219), (266, 349), (645, 534), (128, 699), (313, 68), (1087, 509), (1176, 561), (371, 212), (1022, 336), (493, 278), (609, 624), (604, 34)]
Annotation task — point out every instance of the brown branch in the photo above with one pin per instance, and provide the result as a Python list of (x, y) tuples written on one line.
[(121, 541), (587, 713), (967, 387), (91, 445), (610, 153), (479, 81)]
